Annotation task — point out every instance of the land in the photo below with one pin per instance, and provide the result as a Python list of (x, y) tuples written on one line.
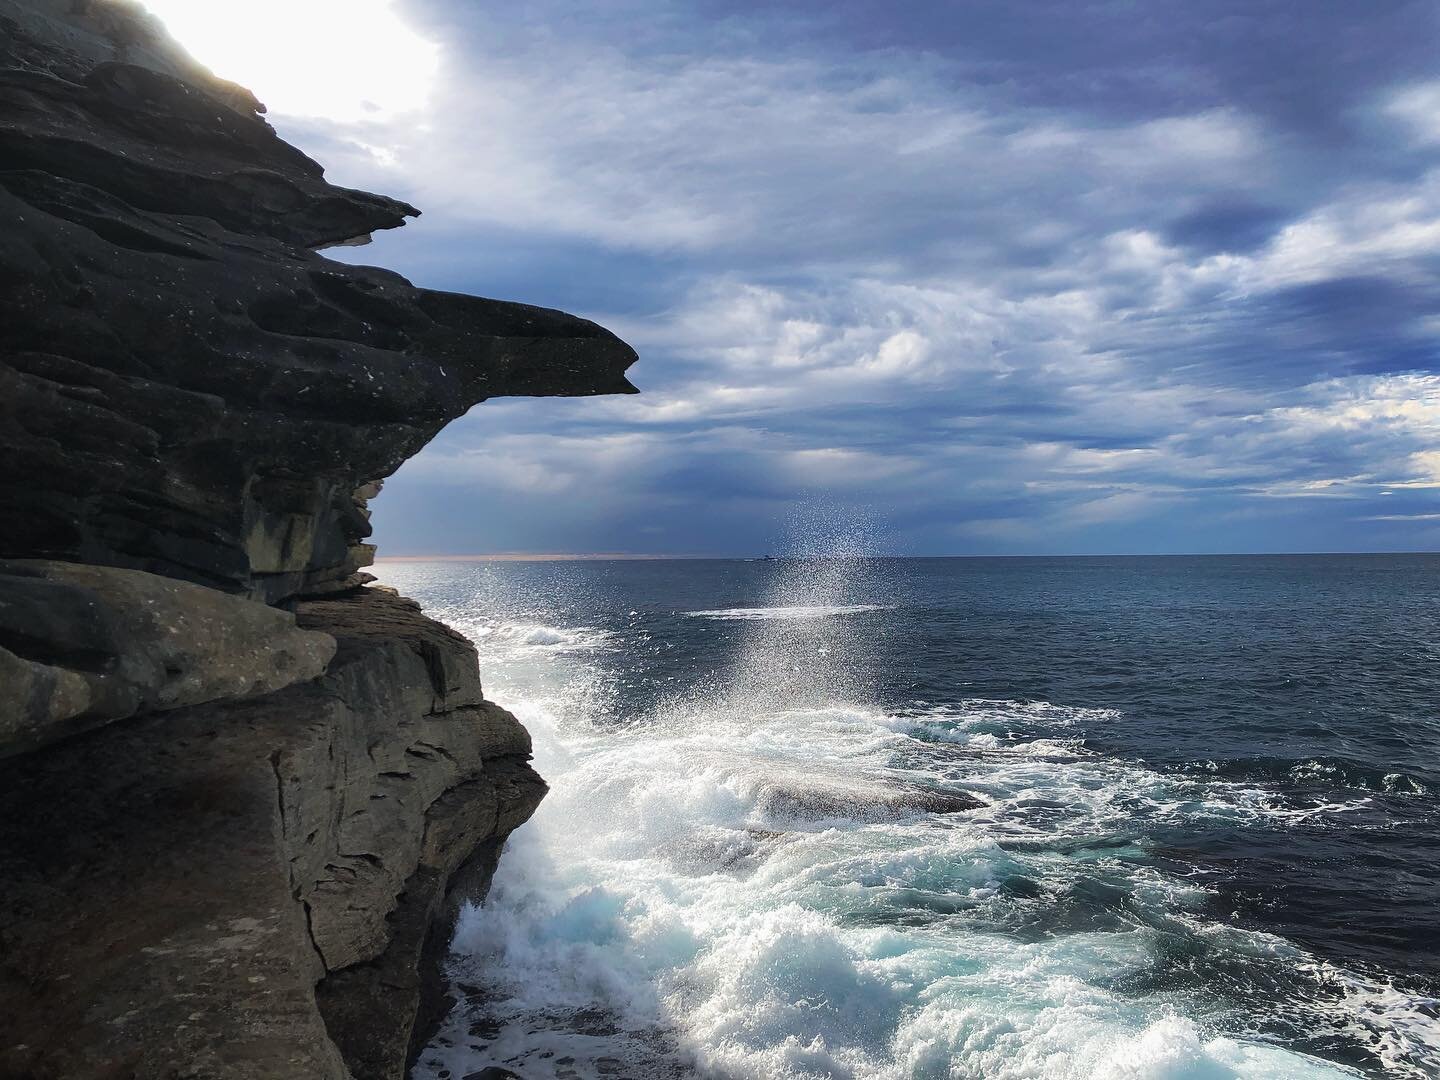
[(243, 790)]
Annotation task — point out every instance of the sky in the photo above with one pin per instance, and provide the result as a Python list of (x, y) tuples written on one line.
[(1064, 276)]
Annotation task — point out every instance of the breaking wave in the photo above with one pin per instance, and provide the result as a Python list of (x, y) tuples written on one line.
[(792, 611), (535, 634), (770, 876)]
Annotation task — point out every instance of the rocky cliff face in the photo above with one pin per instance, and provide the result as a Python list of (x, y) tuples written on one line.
[(243, 792)]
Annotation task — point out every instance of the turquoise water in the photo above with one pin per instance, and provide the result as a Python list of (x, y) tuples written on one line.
[(1206, 845)]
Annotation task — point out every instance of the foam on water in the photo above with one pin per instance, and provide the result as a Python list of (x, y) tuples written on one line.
[(791, 611), (538, 634), (739, 884)]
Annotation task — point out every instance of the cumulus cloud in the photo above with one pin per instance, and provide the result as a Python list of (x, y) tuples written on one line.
[(1082, 281)]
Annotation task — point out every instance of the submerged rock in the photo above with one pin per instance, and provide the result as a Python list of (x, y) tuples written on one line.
[(798, 799), (243, 795)]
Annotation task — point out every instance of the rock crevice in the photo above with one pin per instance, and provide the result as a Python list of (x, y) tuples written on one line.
[(244, 792)]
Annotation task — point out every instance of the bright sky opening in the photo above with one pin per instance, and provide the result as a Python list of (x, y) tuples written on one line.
[(345, 61)]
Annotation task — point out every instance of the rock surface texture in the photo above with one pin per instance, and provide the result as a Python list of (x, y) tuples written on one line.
[(242, 791)]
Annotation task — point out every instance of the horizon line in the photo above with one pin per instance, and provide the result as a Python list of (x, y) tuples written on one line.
[(521, 556)]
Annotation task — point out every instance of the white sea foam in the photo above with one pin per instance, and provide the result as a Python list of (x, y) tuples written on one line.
[(788, 611), (1403, 1028), (665, 915), (539, 634)]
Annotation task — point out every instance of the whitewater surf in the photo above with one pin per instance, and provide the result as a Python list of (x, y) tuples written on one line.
[(755, 862)]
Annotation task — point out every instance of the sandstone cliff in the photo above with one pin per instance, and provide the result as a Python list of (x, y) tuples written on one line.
[(242, 792)]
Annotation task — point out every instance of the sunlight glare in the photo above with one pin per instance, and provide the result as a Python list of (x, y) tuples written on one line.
[(342, 60)]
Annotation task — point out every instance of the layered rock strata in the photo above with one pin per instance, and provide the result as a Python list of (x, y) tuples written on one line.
[(242, 791)]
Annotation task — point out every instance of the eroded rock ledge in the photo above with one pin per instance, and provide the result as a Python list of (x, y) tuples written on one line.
[(242, 791)]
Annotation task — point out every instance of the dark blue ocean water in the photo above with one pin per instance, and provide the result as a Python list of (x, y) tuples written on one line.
[(1209, 844)]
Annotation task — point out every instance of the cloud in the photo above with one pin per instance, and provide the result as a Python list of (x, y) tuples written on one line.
[(1418, 108), (1091, 279)]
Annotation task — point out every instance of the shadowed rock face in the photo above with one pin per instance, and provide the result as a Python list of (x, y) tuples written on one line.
[(201, 391), (176, 888), (83, 645), (242, 794)]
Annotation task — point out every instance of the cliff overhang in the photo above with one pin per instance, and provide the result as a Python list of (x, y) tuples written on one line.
[(245, 791)]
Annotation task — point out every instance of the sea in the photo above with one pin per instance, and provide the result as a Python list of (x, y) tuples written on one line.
[(834, 816)]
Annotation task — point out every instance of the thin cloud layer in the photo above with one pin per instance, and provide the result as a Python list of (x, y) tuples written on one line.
[(1090, 280)]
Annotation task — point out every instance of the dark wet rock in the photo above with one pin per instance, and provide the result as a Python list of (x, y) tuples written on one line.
[(484, 1028), (598, 1022), (243, 795), (796, 799)]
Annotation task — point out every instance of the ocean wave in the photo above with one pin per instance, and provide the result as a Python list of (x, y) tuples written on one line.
[(1047, 712), (1403, 1027), (792, 611), (752, 880), (1321, 772), (538, 635), (670, 887)]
